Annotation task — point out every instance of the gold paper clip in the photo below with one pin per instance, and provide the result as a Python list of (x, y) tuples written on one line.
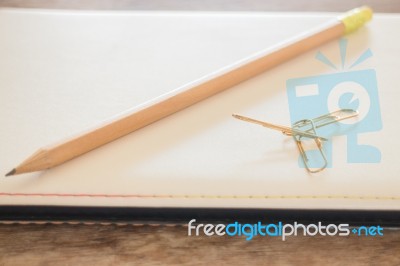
[(306, 128)]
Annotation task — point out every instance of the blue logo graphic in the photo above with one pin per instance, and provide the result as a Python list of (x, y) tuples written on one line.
[(310, 97)]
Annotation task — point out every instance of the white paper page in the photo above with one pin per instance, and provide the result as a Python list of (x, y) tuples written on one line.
[(62, 72)]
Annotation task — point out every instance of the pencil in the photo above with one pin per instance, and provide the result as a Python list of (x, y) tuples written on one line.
[(176, 100)]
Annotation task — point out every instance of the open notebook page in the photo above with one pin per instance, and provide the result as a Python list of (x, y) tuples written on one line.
[(62, 72)]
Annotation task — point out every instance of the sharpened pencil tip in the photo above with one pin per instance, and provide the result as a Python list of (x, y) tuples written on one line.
[(11, 172)]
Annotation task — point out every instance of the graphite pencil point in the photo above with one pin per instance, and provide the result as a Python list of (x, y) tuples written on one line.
[(11, 172)]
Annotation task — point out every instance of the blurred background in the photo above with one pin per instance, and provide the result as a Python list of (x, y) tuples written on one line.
[(391, 6)]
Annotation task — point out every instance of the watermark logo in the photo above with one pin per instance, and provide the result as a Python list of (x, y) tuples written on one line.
[(314, 96), (249, 231)]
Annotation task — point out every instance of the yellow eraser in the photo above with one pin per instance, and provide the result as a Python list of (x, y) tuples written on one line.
[(356, 18)]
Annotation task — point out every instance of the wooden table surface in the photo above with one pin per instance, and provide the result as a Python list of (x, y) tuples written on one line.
[(68, 244)]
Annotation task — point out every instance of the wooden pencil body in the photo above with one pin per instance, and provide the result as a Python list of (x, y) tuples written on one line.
[(178, 99)]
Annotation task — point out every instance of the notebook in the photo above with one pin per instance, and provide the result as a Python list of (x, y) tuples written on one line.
[(65, 71)]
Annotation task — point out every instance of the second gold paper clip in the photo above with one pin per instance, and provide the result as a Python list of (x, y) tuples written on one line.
[(306, 128)]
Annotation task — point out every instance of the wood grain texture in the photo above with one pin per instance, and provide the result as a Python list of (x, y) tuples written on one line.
[(147, 245), (161, 245)]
